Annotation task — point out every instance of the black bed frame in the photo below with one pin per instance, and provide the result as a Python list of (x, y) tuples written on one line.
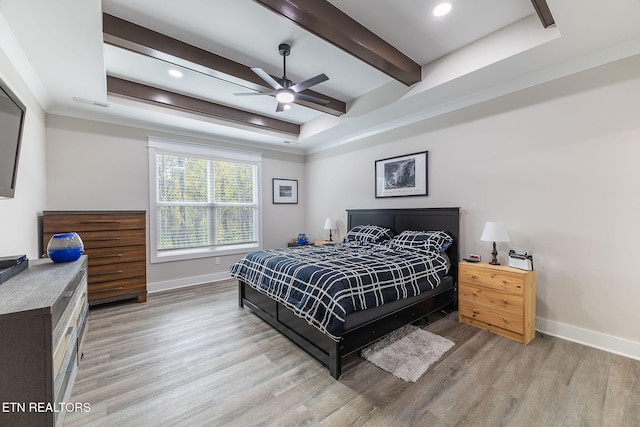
[(331, 352)]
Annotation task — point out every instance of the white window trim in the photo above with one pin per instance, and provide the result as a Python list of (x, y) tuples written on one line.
[(156, 145)]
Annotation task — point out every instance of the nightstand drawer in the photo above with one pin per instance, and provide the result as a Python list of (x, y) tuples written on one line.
[(492, 278), (498, 301), (501, 319)]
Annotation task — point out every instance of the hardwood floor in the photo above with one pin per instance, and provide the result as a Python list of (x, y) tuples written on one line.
[(192, 357)]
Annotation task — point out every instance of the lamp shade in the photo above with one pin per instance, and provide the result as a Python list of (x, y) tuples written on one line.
[(330, 224), (495, 232)]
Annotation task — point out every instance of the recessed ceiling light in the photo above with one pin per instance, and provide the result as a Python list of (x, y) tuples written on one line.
[(175, 73), (442, 9)]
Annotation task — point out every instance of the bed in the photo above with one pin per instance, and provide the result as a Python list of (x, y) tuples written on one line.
[(329, 343)]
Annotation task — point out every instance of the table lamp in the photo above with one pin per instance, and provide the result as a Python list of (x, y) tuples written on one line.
[(494, 232), (330, 224)]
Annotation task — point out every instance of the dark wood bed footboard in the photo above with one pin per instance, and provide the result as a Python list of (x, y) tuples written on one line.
[(330, 352)]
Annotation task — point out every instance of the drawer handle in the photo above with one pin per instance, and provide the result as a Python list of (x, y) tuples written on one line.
[(504, 301), (110, 272), (119, 288), (475, 311), (67, 294), (106, 256), (103, 239), (99, 221)]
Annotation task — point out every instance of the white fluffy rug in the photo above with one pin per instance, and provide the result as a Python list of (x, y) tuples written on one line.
[(407, 352)]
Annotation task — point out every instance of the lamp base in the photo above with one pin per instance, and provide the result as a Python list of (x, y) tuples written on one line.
[(494, 254)]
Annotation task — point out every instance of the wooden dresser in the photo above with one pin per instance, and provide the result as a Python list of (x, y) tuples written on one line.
[(43, 319), (115, 242), (498, 298)]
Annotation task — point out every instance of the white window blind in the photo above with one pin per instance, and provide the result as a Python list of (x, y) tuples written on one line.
[(205, 200)]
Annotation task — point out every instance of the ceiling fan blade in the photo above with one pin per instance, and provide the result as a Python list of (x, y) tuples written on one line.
[(309, 82), (267, 78), (280, 107), (308, 98), (254, 93)]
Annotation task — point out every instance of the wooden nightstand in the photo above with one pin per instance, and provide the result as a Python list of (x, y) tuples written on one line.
[(324, 242), (295, 244), (498, 298)]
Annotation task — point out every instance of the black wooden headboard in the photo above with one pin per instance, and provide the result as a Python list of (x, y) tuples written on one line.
[(419, 219)]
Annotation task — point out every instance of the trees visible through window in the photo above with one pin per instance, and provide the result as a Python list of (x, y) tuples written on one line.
[(205, 203)]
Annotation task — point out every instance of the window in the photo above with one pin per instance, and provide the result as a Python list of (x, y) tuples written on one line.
[(204, 201)]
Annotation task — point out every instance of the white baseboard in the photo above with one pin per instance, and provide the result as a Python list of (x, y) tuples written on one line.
[(185, 282), (615, 345)]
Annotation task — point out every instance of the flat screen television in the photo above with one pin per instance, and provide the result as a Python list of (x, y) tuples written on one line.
[(12, 114)]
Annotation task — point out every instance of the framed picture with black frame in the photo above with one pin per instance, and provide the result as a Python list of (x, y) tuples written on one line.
[(402, 176), (285, 191)]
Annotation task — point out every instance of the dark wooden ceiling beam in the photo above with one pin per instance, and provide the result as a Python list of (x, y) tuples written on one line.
[(544, 13), (170, 99), (127, 35), (328, 22)]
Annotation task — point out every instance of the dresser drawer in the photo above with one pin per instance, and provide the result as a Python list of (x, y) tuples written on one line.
[(105, 290), (501, 319), (61, 223), (65, 345), (107, 239), (79, 293), (499, 301), (492, 279), (116, 254), (70, 292), (110, 272)]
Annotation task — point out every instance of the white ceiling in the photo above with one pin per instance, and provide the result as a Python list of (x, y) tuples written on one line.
[(482, 49)]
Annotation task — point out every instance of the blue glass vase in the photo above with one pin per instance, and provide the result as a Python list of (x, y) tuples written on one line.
[(65, 247), (302, 239)]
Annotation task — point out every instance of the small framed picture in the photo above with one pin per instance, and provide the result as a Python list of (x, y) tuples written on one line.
[(402, 176), (285, 191)]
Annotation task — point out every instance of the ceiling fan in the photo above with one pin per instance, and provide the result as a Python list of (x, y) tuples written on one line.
[(284, 89)]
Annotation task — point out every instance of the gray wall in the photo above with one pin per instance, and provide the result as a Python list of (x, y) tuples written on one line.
[(98, 166), (557, 163), (19, 215)]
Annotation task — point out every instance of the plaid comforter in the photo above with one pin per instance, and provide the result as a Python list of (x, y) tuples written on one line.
[(323, 284)]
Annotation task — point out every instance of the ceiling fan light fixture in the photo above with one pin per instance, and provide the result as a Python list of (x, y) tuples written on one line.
[(285, 96), (442, 9), (284, 90)]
